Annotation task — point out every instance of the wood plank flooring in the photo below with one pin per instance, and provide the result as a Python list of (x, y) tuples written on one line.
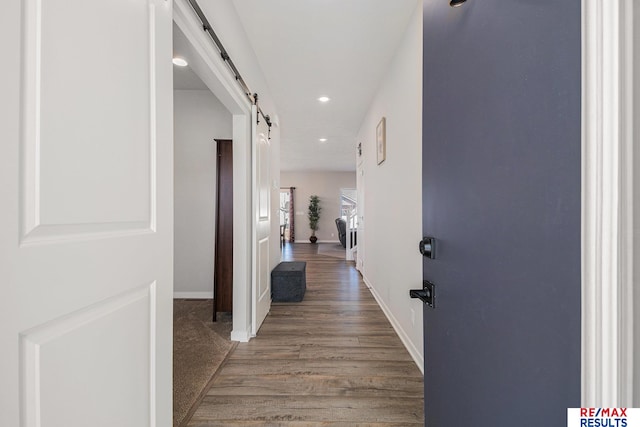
[(331, 360)]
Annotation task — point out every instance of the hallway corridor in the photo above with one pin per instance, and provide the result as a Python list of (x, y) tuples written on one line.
[(332, 359)]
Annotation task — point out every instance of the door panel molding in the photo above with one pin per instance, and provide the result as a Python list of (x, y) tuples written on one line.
[(87, 317), (607, 203), (263, 178), (263, 268), (116, 324), (88, 211)]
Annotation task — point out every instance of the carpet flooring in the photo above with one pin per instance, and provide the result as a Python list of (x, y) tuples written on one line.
[(199, 348)]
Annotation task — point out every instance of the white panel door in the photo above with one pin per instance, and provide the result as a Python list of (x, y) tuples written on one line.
[(86, 215), (261, 290)]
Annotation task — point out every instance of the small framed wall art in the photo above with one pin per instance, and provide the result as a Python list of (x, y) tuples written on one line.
[(381, 140)]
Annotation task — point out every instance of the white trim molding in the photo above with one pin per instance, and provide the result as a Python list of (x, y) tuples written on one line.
[(193, 295), (607, 216), (319, 241), (241, 336), (414, 352)]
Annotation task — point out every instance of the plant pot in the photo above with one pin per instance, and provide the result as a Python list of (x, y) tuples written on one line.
[(313, 239)]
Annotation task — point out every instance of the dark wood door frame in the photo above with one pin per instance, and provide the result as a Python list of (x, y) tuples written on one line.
[(223, 263)]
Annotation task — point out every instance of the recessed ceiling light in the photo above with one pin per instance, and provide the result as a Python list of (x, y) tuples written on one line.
[(323, 140), (180, 62), (324, 99)]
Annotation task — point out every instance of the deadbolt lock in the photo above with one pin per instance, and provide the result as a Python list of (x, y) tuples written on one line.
[(428, 247)]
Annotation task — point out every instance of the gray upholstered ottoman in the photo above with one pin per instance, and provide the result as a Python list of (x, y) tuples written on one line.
[(289, 281)]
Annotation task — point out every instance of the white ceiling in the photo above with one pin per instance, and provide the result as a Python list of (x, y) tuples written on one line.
[(184, 78), (310, 48)]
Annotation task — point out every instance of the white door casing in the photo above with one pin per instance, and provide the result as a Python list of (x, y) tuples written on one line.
[(206, 62), (86, 223), (607, 203), (261, 289), (360, 183)]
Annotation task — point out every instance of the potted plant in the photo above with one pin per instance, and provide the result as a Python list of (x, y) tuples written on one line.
[(314, 216)]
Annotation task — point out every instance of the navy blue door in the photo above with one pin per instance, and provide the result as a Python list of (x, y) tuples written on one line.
[(501, 194)]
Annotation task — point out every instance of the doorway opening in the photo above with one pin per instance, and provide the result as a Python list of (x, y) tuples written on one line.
[(284, 216), (348, 226), (203, 233)]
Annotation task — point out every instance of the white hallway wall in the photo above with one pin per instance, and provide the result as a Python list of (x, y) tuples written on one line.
[(393, 191), (199, 118), (327, 186)]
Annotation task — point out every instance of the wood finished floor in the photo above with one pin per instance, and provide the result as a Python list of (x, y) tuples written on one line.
[(331, 360)]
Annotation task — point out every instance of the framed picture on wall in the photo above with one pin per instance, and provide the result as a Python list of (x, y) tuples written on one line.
[(381, 140)]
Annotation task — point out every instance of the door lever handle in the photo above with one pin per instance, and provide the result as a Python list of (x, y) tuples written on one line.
[(427, 294)]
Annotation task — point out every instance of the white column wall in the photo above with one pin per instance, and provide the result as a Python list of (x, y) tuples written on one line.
[(199, 118)]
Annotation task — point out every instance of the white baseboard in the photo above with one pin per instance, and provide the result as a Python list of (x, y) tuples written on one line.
[(242, 336), (193, 295), (319, 241), (411, 348)]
